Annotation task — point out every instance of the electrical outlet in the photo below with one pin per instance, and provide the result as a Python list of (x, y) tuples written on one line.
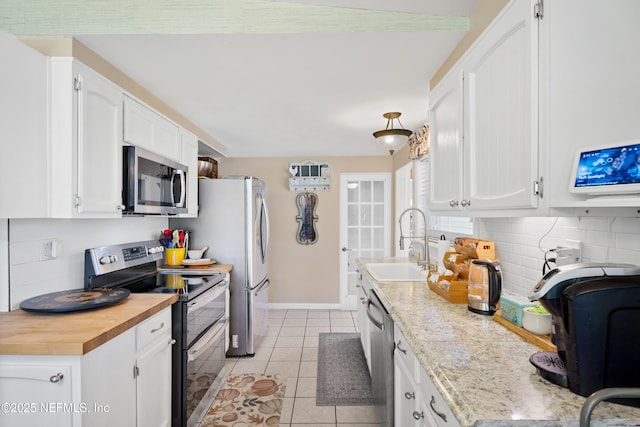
[(569, 252), (50, 249)]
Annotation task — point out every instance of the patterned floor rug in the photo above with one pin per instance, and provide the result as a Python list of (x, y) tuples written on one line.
[(343, 376), (248, 399)]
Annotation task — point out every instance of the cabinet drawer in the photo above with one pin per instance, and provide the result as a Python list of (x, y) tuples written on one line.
[(157, 326), (436, 404), (405, 355)]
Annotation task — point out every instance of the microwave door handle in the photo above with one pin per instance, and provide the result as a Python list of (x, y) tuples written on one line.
[(183, 188)]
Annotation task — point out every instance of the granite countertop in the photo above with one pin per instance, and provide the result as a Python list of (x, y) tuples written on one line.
[(480, 367)]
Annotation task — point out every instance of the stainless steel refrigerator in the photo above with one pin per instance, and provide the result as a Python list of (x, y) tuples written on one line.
[(234, 222)]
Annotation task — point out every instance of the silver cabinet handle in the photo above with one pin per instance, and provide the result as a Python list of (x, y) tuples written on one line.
[(158, 328), (433, 408), (400, 348), (172, 341), (56, 378), (453, 203), (465, 203), (409, 396), (417, 415)]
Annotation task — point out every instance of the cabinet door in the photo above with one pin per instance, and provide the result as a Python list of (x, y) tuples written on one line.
[(33, 394), (405, 396), (99, 145), (23, 131), (153, 370), (145, 128), (445, 118), (108, 383), (189, 157), (501, 116)]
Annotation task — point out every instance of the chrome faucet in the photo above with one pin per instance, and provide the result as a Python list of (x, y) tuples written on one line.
[(425, 262)]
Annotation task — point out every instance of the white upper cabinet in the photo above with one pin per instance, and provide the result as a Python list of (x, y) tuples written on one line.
[(446, 158), (23, 131), (500, 119), (86, 142), (591, 92), (533, 91), (62, 136), (145, 128), (483, 115), (189, 157)]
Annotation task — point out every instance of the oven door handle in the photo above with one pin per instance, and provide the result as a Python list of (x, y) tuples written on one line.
[(208, 296), (210, 336)]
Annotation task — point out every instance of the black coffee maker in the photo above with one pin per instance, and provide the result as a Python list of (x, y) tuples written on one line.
[(596, 313)]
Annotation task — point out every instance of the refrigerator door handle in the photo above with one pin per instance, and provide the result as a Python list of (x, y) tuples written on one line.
[(264, 233), (261, 286)]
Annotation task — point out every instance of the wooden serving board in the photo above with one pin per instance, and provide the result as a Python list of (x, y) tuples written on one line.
[(542, 341)]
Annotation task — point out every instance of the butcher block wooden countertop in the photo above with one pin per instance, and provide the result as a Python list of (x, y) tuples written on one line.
[(76, 333)]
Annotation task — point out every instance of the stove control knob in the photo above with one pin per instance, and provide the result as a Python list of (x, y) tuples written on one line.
[(113, 258), (155, 249), (105, 260)]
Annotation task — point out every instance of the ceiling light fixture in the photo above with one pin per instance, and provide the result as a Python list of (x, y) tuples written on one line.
[(392, 138)]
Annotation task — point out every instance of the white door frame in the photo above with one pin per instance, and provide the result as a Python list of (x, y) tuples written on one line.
[(348, 301)]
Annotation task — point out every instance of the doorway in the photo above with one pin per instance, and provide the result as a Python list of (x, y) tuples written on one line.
[(365, 226)]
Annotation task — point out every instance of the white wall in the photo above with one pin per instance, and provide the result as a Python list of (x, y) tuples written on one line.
[(605, 239), (31, 275)]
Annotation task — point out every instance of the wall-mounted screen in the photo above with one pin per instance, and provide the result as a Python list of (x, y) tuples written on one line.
[(607, 170)]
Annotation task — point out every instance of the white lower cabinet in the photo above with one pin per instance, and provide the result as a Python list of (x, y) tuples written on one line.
[(124, 382), (153, 371), (417, 403), (433, 404)]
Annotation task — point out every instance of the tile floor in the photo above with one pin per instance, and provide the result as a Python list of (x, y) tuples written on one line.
[(291, 348)]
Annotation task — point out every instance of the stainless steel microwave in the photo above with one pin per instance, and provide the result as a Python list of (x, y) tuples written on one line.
[(152, 184)]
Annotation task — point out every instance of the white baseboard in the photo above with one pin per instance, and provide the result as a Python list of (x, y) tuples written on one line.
[(303, 306)]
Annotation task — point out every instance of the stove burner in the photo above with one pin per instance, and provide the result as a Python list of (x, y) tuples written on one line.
[(551, 367)]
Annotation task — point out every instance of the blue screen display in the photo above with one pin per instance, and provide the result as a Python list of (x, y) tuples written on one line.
[(609, 166)]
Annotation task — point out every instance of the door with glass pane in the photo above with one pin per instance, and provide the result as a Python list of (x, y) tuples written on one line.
[(365, 226)]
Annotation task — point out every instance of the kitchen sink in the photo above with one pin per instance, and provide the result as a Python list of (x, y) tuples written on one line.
[(396, 272)]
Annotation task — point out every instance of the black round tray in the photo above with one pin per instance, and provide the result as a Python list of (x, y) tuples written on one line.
[(74, 300)]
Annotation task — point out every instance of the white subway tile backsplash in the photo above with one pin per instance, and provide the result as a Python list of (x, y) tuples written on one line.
[(604, 239)]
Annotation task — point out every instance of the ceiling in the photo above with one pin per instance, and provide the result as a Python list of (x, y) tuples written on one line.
[(295, 79)]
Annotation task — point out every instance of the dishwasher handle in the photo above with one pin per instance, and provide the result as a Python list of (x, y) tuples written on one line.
[(375, 322)]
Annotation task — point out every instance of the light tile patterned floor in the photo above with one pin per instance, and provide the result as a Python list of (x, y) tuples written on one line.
[(291, 348)]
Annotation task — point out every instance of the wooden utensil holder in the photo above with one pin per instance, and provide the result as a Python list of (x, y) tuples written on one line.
[(457, 291)]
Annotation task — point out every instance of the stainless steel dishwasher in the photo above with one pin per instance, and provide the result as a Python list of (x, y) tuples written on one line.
[(382, 347)]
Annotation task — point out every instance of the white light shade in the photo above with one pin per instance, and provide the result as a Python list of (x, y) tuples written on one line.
[(391, 139)]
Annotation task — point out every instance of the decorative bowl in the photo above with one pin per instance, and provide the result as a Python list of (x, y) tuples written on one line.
[(537, 323)]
